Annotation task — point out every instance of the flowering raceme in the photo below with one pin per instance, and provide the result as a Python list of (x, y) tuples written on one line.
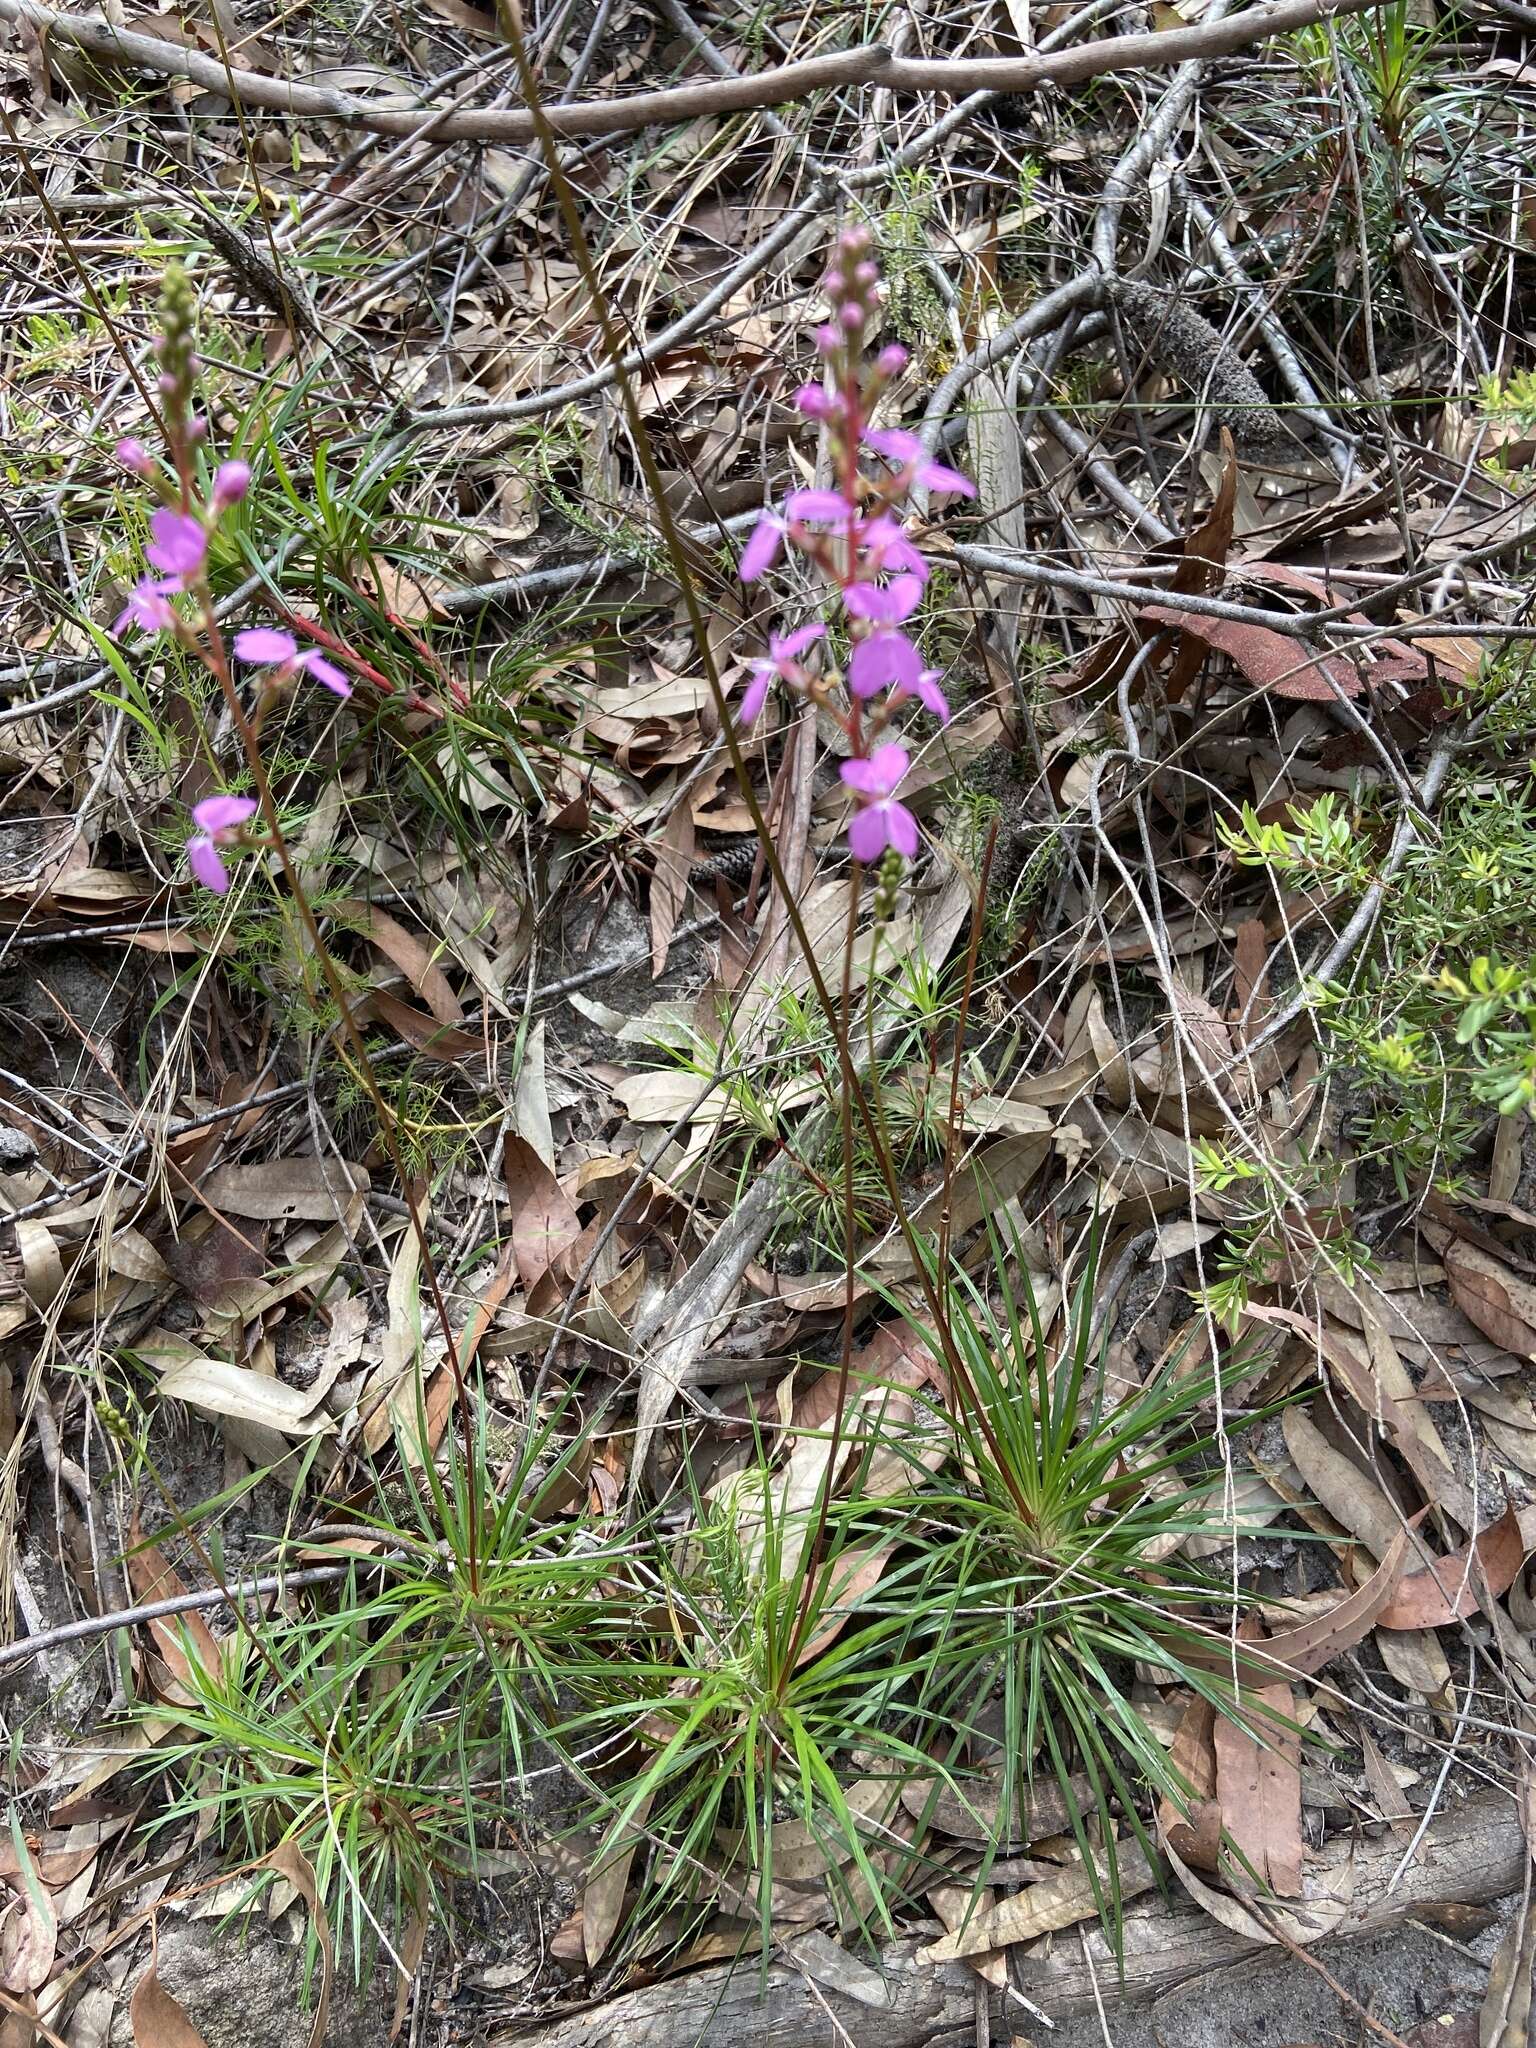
[(855, 536), (180, 530)]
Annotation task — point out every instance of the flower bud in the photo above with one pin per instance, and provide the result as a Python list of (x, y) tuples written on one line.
[(230, 485), (815, 403), (851, 315), (828, 340), (892, 360), (134, 456)]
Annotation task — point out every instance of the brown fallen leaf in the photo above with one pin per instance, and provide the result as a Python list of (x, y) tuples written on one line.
[(29, 1936), (1448, 1590), (416, 960), (602, 1898), (669, 882), (1059, 1901), (179, 1637), (289, 1861), (1269, 660), (286, 1190), (1303, 1650), (157, 2018), (1502, 1305), (1194, 1828), (1505, 2020), (1258, 1786), (544, 1219)]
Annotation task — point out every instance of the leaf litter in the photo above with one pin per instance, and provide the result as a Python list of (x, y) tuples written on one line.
[(222, 1347)]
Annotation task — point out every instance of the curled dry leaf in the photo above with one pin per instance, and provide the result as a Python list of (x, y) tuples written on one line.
[(1059, 1901), (29, 1935), (289, 1861), (415, 959), (157, 2019), (1449, 1590), (1307, 1648)]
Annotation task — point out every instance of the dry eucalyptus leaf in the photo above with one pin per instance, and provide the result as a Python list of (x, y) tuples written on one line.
[(286, 1190)]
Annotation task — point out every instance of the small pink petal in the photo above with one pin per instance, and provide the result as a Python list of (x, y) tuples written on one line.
[(265, 646), (888, 602), (887, 659), (787, 646), (134, 456), (762, 549), (230, 485), (900, 829), (888, 764), (755, 695), (222, 813), (938, 478), (859, 774), (866, 834), (895, 443), (820, 505), (179, 543), (325, 672), (930, 696), (207, 868)]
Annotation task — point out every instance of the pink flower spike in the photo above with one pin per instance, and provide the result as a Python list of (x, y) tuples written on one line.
[(930, 696), (887, 659), (889, 603), (146, 608), (762, 549), (218, 816), (881, 822), (326, 673), (266, 647), (134, 456), (207, 868), (230, 485), (179, 543)]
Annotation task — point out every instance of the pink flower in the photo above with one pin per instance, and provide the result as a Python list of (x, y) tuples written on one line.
[(134, 456), (886, 659), (885, 547), (230, 485), (887, 603), (178, 545), (780, 660), (218, 819), (762, 549), (908, 452), (822, 506), (326, 673), (930, 696), (881, 821), (266, 647), (146, 607), (271, 647), (892, 360)]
